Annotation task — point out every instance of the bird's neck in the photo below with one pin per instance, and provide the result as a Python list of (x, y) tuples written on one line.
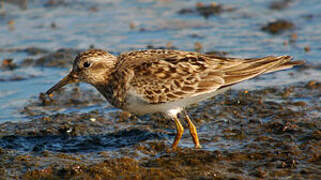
[(107, 89)]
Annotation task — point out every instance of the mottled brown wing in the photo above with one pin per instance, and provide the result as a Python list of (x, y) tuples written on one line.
[(166, 75), (161, 76)]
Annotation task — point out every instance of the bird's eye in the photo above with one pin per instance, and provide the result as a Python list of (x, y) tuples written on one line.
[(86, 64)]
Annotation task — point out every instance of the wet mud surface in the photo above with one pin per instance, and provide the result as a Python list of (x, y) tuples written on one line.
[(268, 133), (280, 4), (61, 58), (205, 10), (278, 26)]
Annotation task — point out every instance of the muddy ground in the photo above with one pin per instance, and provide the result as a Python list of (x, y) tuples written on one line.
[(271, 133)]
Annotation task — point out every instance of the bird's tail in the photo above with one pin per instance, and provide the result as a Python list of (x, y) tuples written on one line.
[(285, 63), (249, 68)]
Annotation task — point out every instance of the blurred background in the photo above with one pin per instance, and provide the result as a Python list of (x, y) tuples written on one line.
[(39, 38)]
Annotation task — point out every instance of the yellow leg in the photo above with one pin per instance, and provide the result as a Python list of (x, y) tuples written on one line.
[(179, 129), (192, 130)]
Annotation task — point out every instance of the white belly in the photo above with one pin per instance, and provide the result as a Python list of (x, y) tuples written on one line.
[(137, 105)]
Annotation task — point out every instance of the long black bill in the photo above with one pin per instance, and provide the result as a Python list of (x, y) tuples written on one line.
[(70, 78)]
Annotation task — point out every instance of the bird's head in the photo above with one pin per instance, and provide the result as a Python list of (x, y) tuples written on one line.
[(92, 66)]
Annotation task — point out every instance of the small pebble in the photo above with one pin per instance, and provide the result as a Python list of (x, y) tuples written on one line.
[(307, 49), (132, 25), (69, 130)]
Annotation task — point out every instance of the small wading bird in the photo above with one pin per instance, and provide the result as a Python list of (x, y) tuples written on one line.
[(165, 81)]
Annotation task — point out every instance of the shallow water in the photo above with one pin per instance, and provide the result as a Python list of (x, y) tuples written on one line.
[(119, 26)]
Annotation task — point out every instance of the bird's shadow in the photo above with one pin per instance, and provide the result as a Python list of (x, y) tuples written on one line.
[(74, 144)]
